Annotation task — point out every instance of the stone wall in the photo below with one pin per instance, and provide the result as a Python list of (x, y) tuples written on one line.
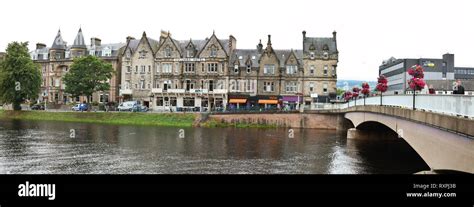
[(333, 121)]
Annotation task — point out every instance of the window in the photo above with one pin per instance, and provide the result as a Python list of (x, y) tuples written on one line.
[(187, 101), (249, 68), (325, 71), (212, 67), (129, 69), (311, 55), (311, 87), (168, 52), (268, 86), (189, 67), (334, 70), (104, 98), (136, 86), (269, 69), (189, 53), (325, 55), (149, 69), (127, 84), (211, 85), (142, 84), (248, 86), (325, 88), (173, 101), (311, 70), (136, 69), (236, 68), (291, 69), (202, 67), (291, 87), (159, 101), (213, 51), (142, 54), (142, 69), (57, 82), (167, 68)]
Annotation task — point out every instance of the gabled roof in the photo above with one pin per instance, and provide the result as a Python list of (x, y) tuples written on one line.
[(59, 43), (132, 45), (223, 43), (245, 54), (79, 41)]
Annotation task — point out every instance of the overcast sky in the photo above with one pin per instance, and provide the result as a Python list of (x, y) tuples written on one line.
[(367, 31)]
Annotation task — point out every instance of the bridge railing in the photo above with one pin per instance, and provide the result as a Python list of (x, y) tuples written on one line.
[(455, 105)]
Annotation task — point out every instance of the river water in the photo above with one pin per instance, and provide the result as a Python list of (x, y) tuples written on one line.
[(36, 147)]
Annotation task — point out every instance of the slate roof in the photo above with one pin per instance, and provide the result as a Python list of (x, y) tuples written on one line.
[(79, 40), (59, 42), (319, 43)]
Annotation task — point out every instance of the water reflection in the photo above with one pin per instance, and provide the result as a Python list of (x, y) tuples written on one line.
[(45, 147)]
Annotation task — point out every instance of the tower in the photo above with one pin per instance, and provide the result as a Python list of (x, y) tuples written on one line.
[(58, 49), (79, 47)]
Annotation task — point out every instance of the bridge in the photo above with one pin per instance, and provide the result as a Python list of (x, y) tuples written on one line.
[(440, 128)]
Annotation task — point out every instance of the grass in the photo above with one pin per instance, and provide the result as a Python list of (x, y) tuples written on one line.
[(125, 118)]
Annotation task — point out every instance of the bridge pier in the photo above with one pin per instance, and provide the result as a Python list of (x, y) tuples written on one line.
[(354, 133)]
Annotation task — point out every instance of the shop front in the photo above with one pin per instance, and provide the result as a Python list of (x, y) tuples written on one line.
[(237, 101), (291, 102), (269, 102)]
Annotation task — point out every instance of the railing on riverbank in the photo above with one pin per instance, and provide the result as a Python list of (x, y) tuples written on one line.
[(453, 105)]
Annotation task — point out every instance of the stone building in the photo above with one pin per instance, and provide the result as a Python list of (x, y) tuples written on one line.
[(56, 60), (176, 75), (212, 74)]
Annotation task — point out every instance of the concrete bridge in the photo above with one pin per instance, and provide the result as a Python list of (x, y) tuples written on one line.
[(445, 141), (440, 130)]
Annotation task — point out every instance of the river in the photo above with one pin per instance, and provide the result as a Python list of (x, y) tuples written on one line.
[(42, 147)]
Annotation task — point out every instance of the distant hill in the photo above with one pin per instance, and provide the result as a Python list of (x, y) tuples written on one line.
[(351, 83)]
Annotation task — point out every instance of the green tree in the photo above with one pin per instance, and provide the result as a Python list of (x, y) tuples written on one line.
[(340, 91), (20, 77), (88, 75)]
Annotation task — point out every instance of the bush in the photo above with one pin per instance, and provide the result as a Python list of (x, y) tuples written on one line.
[(95, 103)]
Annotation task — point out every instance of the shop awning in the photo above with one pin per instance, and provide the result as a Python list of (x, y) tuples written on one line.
[(268, 101), (237, 100)]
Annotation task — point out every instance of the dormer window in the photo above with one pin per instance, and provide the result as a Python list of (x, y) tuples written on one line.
[(236, 68), (249, 68), (325, 55), (189, 53), (312, 55), (312, 47)]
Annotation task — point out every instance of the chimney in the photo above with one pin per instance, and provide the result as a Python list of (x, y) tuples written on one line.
[(130, 38), (95, 41), (334, 35), (260, 46), (232, 43), (304, 34), (269, 43), (40, 46)]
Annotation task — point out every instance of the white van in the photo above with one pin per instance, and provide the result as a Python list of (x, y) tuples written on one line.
[(127, 106)]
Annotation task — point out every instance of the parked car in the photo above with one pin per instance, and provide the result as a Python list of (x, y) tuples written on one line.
[(127, 106), (139, 108), (76, 107), (37, 107), (80, 107)]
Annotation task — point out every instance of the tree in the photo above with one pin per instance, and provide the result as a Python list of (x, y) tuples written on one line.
[(355, 93), (381, 86), (20, 77), (365, 90), (88, 75), (416, 82)]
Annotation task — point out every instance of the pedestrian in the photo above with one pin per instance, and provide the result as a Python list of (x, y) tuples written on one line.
[(459, 89), (431, 90)]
